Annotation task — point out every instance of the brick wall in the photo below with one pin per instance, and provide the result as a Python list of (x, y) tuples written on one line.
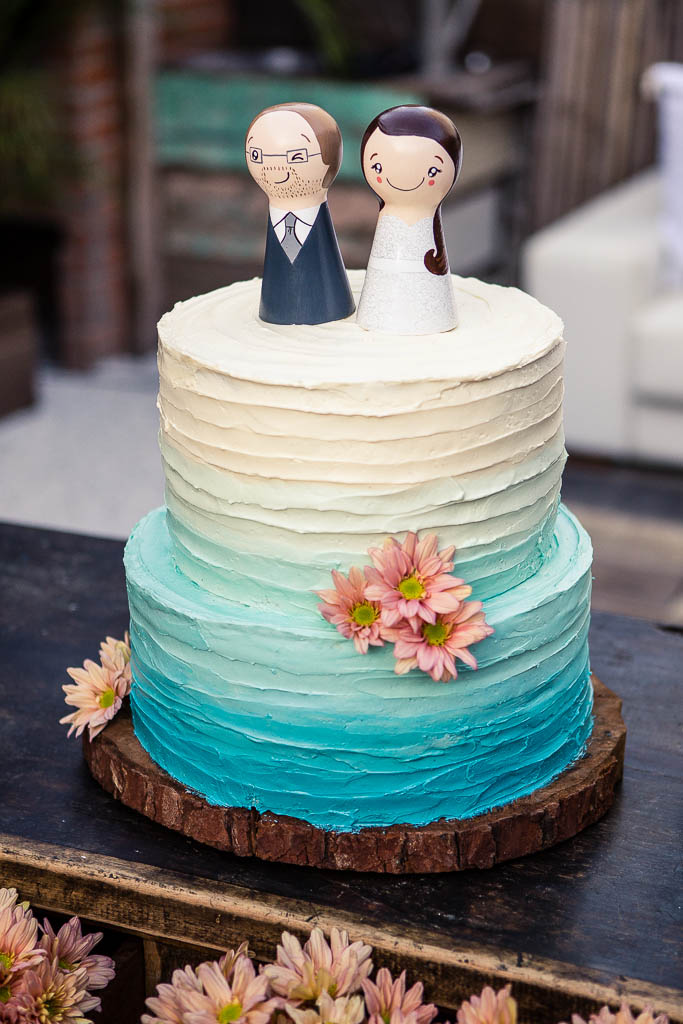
[(90, 74), (93, 281)]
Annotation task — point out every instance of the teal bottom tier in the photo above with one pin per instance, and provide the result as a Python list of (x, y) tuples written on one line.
[(269, 707)]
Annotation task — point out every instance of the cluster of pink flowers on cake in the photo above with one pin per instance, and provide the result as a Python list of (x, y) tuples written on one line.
[(45, 975), (408, 597), (322, 982), (98, 691)]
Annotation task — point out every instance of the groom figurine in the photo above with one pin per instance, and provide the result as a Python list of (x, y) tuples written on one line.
[(293, 153)]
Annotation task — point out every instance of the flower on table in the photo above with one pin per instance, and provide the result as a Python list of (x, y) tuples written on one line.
[(115, 655), (337, 968), (347, 607), (242, 997), (489, 1008), (19, 949), (413, 580), (73, 951), (386, 999), (46, 981), (622, 1016), (433, 647), (97, 694), (166, 1005), (344, 1010), (50, 995)]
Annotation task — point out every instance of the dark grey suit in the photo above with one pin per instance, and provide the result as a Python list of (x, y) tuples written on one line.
[(314, 289)]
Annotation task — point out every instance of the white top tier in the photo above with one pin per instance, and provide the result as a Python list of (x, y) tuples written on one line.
[(500, 329)]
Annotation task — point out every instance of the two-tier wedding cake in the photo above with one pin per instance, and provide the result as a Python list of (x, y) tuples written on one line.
[(291, 451)]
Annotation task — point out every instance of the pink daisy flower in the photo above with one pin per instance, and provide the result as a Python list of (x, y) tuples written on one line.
[(338, 968), (97, 696), (49, 995), (8, 899), (489, 1008), (413, 580), (166, 1005), (622, 1016), (242, 998), (386, 998), (345, 1010), (115, 655), (19, 948), (348, 608), (71, 949), (434, 646)]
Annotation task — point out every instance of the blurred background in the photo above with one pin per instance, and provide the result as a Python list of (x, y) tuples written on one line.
[(123, 189)]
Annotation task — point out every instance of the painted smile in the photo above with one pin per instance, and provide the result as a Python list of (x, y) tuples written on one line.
[(287, 179), (405, 189)]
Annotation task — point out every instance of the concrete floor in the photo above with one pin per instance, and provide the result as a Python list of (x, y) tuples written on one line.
[(85, 459)]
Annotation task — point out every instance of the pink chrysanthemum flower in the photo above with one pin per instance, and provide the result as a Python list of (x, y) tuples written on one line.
[(622, 1016), (49, 995), (344, 1010), (166, 1005), (72, 950), (115, 655), (413, 580), (489, 1008), (337, 969), (97, 696), (384, 998), (243, 998), (348, 608), (8, 899), (434, 646), (19, 948)]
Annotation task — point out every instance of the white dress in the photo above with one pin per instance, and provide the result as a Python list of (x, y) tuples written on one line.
[(400, 295)]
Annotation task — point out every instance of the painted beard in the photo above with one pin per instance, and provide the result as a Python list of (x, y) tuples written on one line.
[(295, 187)]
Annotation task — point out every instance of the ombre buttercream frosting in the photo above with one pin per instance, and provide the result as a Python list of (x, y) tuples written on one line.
[(288, 451)]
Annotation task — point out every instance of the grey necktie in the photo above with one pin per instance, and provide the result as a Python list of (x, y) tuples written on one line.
[(290, 243)]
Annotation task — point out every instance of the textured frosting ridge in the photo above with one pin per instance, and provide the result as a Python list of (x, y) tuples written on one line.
[(289, 451), (272, 709), (275, 448)]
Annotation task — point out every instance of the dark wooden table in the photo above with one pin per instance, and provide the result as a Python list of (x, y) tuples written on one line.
[(588, 922)]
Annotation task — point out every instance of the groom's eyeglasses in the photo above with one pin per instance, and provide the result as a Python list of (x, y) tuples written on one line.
[(293, 156)]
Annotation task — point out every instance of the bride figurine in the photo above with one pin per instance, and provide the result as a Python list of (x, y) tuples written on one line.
[(411, 158)]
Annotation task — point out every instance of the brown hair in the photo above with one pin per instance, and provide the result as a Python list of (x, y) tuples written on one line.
[(426, 123), (325, 129)]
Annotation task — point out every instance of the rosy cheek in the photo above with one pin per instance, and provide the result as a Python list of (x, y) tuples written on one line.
[(379, 180), (432, 182)]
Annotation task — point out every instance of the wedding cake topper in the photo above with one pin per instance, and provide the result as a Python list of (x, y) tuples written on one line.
[(293, 153), (411, 157)]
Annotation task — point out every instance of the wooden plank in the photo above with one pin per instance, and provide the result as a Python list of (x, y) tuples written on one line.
[(171, 908)]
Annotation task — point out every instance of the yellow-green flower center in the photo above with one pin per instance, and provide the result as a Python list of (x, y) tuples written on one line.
[(52, 1008), (229, 1013), (364, 614), (107, 698), (6, 960), (65, 965), (411, 588), (437, 634), (386, 1016), (5, 994)]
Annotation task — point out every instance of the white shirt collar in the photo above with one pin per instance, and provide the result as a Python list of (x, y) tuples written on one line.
[(307, 215)]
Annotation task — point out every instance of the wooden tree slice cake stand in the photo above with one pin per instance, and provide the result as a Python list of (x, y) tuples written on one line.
[(558, 811)]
